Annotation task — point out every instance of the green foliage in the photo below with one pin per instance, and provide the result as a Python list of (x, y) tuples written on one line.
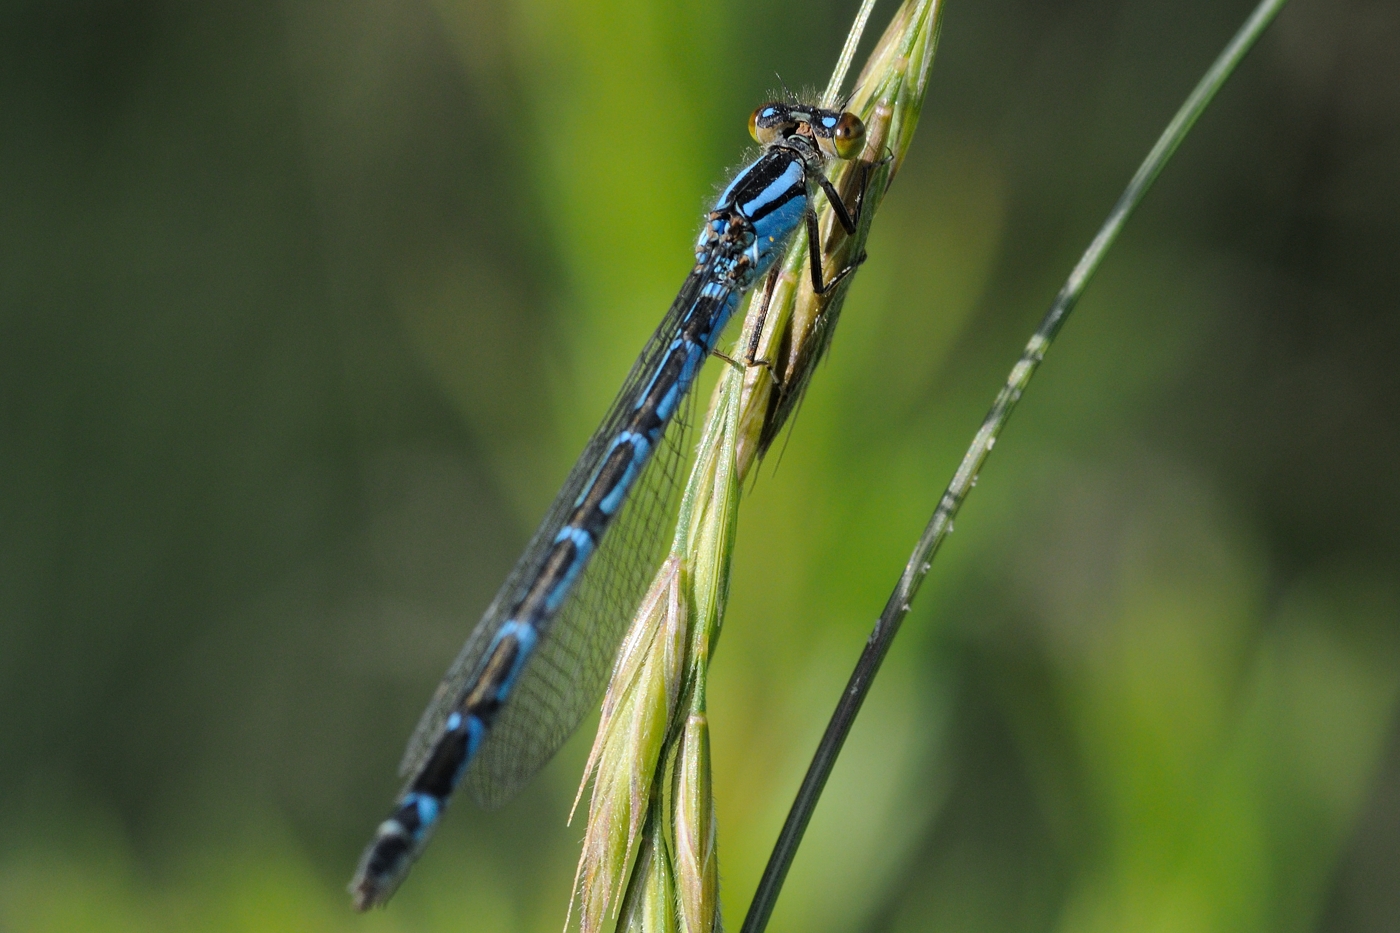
[(305, 311)]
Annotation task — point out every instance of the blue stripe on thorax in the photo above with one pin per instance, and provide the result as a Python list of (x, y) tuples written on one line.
[(774, 229), (727, 194), (792, 177)]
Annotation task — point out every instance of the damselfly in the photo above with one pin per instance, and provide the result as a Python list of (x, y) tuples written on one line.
[(539, 657)]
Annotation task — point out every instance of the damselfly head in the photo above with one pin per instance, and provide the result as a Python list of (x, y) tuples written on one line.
[(839, 135)]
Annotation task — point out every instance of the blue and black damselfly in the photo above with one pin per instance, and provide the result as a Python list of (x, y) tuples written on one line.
[(539, 657)]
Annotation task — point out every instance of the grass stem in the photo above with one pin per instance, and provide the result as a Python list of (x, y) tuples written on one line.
[(941, 524)]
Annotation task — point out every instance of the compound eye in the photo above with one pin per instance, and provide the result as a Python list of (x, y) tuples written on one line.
[(849, 136), (766, 123)]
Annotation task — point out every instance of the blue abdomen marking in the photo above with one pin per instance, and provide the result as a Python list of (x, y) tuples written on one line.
[(582, 541), (641, 449), (694, 356), (665, 374), (713, 290), (525, 638), (424, 808), (722, 315)]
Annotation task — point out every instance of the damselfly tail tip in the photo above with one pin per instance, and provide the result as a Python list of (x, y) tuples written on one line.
[(367, 891), (382, 867), (363, 895)]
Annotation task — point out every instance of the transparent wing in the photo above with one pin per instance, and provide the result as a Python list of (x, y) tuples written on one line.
[(569, 669), (569, 666)]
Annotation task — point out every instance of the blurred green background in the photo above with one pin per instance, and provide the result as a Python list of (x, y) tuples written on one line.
[(306, 308)]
